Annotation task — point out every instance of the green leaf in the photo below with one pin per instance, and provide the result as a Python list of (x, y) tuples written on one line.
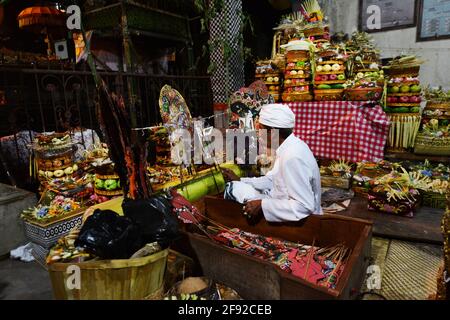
[(211, 68)]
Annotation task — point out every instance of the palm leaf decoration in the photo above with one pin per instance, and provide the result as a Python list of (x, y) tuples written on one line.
[(312, 10)]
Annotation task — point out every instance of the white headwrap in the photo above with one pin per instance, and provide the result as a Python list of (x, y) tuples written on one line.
[(277, 116)]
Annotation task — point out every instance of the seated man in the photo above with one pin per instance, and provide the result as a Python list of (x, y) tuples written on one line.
[(291, 190)]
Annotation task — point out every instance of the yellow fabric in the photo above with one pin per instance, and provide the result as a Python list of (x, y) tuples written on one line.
[(116, 204)]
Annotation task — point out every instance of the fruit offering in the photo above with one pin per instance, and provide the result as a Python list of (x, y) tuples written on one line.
[(314, 29), (329, 76), (106, 183), (53, 157), (434, 135), (58, 207), (363, 55), (65, 251), (298, 71), (403, 86), (403, 95), (271, 76), (366, 86)]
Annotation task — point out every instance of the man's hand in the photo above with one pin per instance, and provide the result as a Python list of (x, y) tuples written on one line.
[(253, 209), (229, 175)]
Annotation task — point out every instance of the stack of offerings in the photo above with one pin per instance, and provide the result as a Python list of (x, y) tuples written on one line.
[(107, 183), (54, 156), (396, 193), (315, 29), (298, 71), (434, 135), (403, 102), (363, 55), (161, 170), (363, 66), (272, 78), (329, 76)]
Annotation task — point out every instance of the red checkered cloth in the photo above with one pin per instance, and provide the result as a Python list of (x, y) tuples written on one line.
[(347, 130)]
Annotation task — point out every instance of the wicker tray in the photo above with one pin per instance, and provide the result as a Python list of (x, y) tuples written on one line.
[(432, 146), (311, 32), (335, 182), (363, 94), (434, 200), (437, 105), (365, 70), (297, 97), (329, 72), (330, 62), (293, 85), (378, 202), (297, 55), (297, 76), (39, 253), (400, 104), (108, 193), (403, 72), (408, 94), (304, 68), (107, 177), (328, 94), (330, 82)]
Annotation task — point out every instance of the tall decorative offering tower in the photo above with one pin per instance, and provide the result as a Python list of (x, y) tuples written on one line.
[(403, 102), (297, 83), (434, 135)]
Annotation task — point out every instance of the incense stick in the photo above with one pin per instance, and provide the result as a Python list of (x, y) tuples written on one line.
[(310, 257)]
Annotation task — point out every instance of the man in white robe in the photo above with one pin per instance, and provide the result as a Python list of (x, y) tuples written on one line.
[(291, 191)]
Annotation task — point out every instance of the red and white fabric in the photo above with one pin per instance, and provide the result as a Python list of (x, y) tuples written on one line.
[(347, 130)]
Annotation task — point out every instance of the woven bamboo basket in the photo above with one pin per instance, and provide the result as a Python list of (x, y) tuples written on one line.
[(297, 97), (404, 83), (434, 200), (108, 193), (311, 32), (432, 146), (328, 95), (363, 192), (330, 72), (401, 104), (437, 105), (304, 68), (305, 75), (297, 55), (403, 72), (331, 62), (300, 84), (399, 94), (329, 82), (126, 279), (363, 94)]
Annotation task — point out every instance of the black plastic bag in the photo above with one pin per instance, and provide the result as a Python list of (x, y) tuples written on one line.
[(109, 236), (154, 217)]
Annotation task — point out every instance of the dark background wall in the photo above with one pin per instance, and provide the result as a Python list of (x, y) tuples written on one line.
[(264, 18)]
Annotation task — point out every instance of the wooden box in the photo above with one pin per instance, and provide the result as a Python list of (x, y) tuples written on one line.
[(254, 278)]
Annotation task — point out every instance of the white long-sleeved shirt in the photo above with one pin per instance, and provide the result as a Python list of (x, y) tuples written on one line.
[(294, 183)]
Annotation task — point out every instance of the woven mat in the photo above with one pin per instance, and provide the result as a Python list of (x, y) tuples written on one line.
[(409, 270)]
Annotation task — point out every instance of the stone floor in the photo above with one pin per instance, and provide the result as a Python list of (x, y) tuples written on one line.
[(409, 271), (24, 281)]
